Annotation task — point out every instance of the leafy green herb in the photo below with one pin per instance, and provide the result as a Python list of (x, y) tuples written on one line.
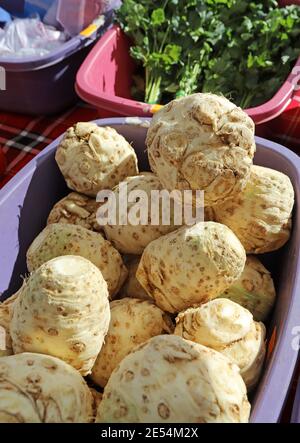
[(239, 48)]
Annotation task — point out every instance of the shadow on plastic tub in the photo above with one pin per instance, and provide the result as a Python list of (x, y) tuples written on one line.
[(27, 199)]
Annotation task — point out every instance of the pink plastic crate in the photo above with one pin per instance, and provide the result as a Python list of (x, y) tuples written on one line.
[(105, 79)]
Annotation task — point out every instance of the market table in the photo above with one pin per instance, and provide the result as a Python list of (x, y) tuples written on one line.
[(22, 137)]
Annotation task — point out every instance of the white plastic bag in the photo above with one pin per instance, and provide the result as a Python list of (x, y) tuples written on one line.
[(24, 37)]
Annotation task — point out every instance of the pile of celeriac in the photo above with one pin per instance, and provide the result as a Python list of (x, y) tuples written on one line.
[(149, 323)]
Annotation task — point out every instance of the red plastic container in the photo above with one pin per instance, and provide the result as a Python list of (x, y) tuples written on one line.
[(105, 78)]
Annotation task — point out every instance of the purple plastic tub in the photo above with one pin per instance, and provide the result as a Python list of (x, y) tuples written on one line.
[(25, 203), (296, 408), (45, 85)]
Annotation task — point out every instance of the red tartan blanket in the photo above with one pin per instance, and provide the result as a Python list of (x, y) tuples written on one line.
[(22, 136)]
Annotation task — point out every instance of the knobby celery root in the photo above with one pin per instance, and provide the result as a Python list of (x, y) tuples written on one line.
[(249, 354), (36, 388), (64, 239), (254, 289), (172, 380), (202, 142), (261, 215), (214, 324), (228, 328), (191, 265), (130, 238), (92, 158), (76, 209), (133, 322), (63, 311)]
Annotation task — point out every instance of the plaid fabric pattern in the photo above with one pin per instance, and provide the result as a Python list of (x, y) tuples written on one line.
[(23, 137)]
